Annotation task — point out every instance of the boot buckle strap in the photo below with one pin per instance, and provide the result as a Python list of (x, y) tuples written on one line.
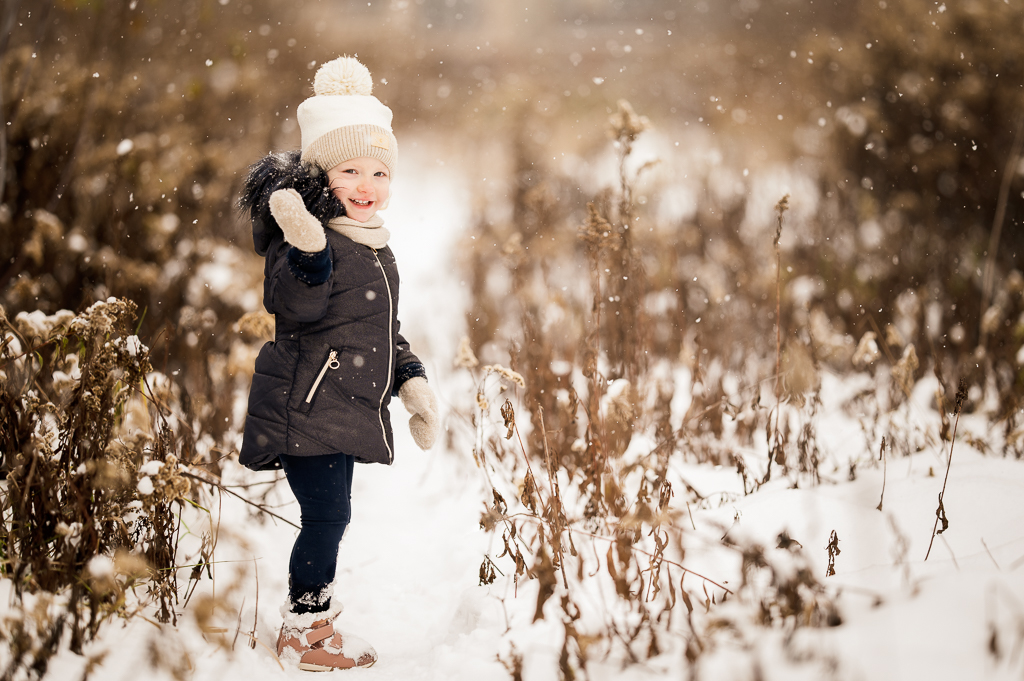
[(320, 633)]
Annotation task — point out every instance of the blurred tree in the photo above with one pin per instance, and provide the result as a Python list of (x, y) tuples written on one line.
[(928, 102), (923, 182), (128, 125)]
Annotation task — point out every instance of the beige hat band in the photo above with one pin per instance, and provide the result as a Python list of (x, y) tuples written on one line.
[(353, 141)]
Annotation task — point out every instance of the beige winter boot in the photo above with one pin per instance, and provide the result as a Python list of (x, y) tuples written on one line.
[(317, 647)]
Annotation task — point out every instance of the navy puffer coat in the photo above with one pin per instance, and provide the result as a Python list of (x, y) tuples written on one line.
[(324, 384)]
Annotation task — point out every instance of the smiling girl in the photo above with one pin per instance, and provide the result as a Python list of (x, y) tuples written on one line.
[(362, 185), (319, 398)]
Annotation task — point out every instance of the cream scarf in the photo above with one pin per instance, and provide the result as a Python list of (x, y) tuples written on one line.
[(371, 233)]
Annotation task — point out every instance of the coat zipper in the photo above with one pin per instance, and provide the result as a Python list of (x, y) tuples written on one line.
[(391, 356), (331, 363)]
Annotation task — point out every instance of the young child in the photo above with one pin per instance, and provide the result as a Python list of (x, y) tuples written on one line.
[(320, 394)]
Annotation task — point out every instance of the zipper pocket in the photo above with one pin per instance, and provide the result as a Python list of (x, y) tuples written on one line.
[(331, 363)]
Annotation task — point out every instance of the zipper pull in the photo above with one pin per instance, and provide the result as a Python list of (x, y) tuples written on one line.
[(331, 363)]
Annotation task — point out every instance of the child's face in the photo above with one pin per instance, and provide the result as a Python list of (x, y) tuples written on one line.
[(362, 185)]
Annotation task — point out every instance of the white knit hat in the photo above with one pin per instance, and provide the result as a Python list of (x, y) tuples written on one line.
[(343, 120)]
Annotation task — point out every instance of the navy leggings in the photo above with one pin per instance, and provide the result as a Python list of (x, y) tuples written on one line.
[(323, 487)]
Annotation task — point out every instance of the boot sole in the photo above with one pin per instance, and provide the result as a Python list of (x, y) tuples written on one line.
[(307, 667)]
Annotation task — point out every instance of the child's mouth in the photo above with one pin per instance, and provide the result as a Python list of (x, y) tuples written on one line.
[(360, 203)]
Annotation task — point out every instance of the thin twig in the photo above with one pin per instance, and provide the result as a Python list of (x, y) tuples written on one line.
[(267, 648), (519, 437), (261, 507), (990, 555), (940, 512), (256, 610), (215, 533), (238, 624), (881, 455), (201, 563)]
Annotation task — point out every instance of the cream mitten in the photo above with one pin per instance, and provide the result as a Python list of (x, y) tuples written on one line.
[(419, 401), (301, 229)]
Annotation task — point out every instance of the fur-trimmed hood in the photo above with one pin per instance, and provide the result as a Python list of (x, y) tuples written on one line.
[(284, 170)]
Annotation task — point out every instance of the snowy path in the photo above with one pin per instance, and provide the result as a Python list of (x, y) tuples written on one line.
[(407, 575), (408, 564)]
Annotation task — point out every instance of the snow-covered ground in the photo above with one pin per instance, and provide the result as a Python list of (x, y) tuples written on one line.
[(408, 565)]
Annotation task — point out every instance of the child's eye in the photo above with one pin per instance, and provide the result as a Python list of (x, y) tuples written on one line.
[(380, 173)]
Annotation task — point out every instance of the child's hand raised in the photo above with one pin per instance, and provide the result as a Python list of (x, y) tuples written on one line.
[(419, 401), (301, 230)]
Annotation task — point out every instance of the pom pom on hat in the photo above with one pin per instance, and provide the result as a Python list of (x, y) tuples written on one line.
[(343, 76)]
